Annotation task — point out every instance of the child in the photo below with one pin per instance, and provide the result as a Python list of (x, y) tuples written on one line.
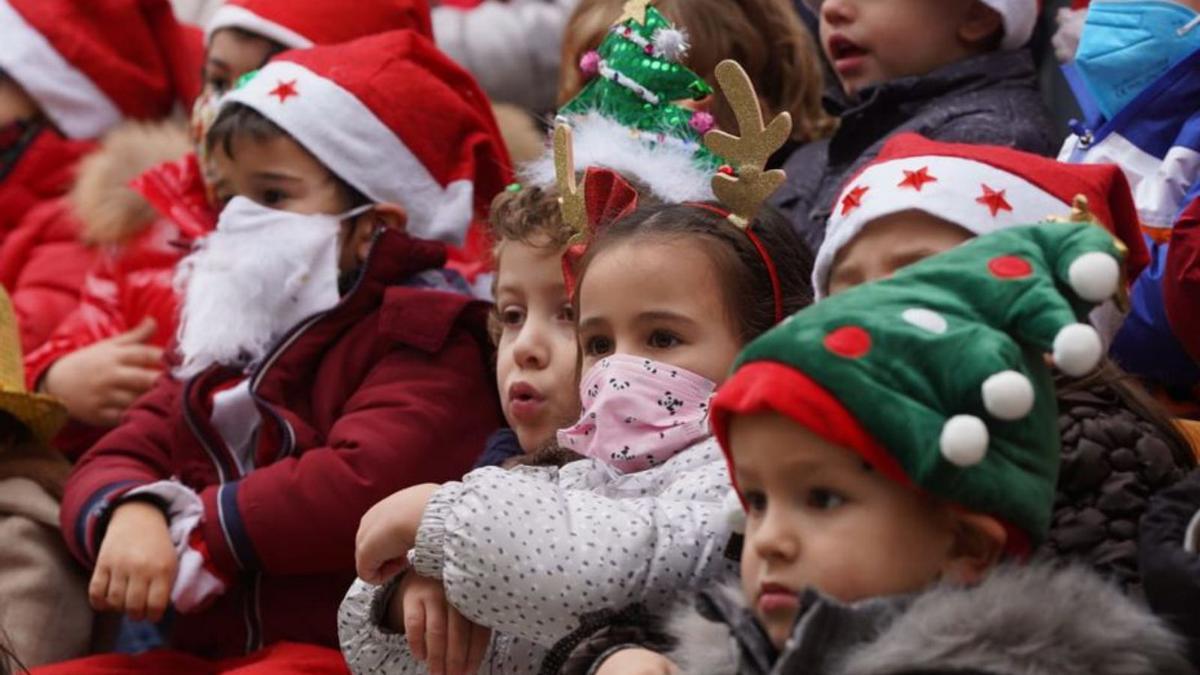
[(324, 358), (108, 351), (952, 71), (81, 70), (533, 323), (891, 447), (40, 584), (921, 197), (1140, 112), (648, 290), (765, 36)]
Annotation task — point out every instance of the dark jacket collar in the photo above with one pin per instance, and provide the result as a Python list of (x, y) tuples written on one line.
[(907, 94)]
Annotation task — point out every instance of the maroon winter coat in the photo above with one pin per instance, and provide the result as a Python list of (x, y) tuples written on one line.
[(389, 389)]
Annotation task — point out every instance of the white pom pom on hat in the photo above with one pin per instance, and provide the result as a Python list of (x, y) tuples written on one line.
[(1095, 276), (1008, 395), (1020, 17), (964, 440), (1077, 349)]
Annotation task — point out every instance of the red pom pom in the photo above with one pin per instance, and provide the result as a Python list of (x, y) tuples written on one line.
[(726, 170)]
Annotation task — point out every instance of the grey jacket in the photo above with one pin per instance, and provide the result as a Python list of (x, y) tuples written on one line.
[(991, 99), (1035, 620)]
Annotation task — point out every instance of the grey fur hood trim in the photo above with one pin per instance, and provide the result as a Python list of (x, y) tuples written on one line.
[(1026, 621), (1033, 620)]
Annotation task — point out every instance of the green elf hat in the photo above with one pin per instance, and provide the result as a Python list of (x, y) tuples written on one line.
[(937, 376)]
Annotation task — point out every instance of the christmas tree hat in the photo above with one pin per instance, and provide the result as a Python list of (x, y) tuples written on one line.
[(626, 118), (937, 376)]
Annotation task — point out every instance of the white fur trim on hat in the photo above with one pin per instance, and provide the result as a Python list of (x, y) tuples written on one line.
[(669, 169), (68, 97), (1020, 17), (946, 187), (358, 147), (232, 16)]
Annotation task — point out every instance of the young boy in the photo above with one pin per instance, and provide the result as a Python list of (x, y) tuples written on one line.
[(71, 72), (325, 361), (891, 447), (951, 70), (921, 197), (108, 352)]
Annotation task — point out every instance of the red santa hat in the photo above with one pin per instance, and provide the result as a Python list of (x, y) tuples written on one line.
[(980, 188), (397, 120), (299, 25), (90, 64)]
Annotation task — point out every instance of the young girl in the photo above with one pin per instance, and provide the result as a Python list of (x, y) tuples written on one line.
[(666, 298)]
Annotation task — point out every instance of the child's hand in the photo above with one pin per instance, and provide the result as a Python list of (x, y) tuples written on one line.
[(137, 564), (438, 635), (388, 531), (99, 382), (635, 661)]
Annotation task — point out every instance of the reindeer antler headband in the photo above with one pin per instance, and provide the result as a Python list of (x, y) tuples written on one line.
[(743, 185)]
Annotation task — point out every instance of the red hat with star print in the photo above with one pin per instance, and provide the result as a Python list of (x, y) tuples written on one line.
[(299, 25), (89, 65), (981, 188), (397, 120)]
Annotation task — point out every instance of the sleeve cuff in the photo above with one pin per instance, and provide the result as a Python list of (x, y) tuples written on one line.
[(429, 552), (368, 646), (182, 505)]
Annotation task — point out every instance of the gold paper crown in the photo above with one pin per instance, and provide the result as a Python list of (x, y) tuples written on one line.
[(744, 192), (42, 414)]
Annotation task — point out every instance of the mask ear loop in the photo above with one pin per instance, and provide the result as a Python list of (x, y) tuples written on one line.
[(768, 262)]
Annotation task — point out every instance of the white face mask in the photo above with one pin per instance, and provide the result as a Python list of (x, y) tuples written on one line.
[(260, 273)]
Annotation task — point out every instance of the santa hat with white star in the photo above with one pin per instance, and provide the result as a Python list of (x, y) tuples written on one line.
[(397, 120), (300, 25), (980, 188)]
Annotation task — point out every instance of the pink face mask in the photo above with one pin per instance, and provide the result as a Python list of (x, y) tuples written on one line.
[(638, 413)]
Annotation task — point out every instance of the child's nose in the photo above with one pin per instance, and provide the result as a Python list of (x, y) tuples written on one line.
[(530, 350), (837, 12), (775, 538)]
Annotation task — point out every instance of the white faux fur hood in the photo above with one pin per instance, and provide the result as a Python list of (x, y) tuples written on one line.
[(1034, 620)]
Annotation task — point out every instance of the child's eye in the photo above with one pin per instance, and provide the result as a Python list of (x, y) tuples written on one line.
[(598, 345), (273, 197), (756, 502), (566, 313), (512, 316), (661, 339), (218, 85), (823, 499)]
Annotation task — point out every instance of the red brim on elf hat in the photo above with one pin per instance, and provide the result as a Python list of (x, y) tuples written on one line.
[(980, 188), (771, 387)]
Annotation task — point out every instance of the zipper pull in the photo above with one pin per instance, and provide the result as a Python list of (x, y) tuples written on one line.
[(1085, 135)]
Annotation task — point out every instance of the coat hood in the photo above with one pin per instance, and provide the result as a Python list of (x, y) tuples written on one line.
[(1033, 620), (109, 210)]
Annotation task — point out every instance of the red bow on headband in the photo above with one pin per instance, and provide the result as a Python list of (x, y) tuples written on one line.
[(607, 198)]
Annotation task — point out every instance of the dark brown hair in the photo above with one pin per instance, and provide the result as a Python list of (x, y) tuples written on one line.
[(765, 36), (740, 268), (238, 120)]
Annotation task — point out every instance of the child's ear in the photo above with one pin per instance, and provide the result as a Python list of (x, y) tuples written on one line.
[(980, 25), (979, 542), (389, 216)]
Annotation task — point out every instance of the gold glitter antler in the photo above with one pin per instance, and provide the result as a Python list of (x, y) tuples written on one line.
[(570, 194), (1081, 212), (744, 192)]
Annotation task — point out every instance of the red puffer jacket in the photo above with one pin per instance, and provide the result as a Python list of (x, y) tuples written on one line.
[(389, 389), (43, 173), (132, 273)]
